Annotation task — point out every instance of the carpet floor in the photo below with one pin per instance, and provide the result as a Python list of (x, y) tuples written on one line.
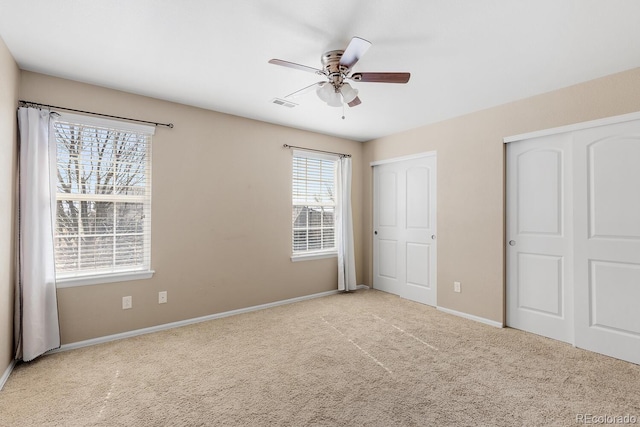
[(361, 359)]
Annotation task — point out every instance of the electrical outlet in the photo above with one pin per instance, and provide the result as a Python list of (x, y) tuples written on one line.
[(456, 286), (162, 297), (127, 302)]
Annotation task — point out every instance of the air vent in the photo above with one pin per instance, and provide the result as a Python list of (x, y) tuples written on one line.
[(283, 102)]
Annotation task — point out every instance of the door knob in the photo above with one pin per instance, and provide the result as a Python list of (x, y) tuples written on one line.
[(433, 237), (512, 242), (375, 232)]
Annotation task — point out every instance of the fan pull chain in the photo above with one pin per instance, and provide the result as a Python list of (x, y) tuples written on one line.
[(342, 110)]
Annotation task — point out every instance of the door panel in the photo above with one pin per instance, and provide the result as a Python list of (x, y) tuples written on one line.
[(613, 287), (418, 198), (420, 233), (612, 169), (607, 246), (404, 224), (538, 210), (385, 242), (539, 252), (388, 194), (417, 269), (388, 266), (540, 283)]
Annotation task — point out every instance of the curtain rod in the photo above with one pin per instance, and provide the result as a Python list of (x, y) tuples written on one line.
[(317, 151), (37, 104)]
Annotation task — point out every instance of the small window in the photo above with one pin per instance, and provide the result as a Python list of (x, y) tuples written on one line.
[(103, 198), (314, 204)]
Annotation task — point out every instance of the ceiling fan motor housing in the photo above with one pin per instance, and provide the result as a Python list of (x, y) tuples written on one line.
[(332, 67)]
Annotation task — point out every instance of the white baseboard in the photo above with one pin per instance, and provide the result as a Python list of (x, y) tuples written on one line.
[(7, 372), (472, 317), (186, 322)]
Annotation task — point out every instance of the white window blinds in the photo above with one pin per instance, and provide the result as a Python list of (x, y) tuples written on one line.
[(103, 198), (314, 203)]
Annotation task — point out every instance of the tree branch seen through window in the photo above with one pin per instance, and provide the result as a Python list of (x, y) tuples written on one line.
[(103, 199)]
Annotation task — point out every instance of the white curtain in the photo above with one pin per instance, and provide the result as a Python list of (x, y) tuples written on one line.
[(36, 314), (344, 229)]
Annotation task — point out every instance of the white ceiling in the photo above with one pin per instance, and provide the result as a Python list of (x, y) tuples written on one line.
[(463, 55)]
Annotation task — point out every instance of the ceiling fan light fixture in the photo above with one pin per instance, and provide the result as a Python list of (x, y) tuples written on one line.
[(348, 93), (335, 100), (324, 91), (328, 94)]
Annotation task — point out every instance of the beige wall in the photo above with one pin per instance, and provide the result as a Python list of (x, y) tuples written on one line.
[(221, 214), (471, 182), (9, 82)]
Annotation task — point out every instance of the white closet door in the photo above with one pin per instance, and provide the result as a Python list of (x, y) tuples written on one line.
[(539, 236), (405, 228), (607, 240), (387, 245)]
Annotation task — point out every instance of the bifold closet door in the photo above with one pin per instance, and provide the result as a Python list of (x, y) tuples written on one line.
[(539, 237), (607, 239)]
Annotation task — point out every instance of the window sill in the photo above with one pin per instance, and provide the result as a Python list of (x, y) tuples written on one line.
[(313, 255), (71, 282)]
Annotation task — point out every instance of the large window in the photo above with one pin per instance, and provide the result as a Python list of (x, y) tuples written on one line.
[(314, 204), (103, 198)]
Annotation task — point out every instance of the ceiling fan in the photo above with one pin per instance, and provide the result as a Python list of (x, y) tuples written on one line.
[(337, 68)]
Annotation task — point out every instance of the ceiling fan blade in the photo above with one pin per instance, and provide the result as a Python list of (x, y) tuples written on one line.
[(295, 66), (352, 54), (381, 77), (304, 90), (356, 101)]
